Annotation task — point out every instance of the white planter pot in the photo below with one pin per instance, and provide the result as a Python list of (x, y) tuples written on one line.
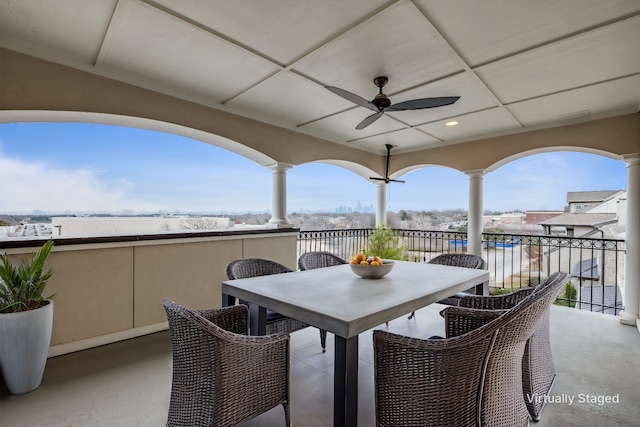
[(24, 344)]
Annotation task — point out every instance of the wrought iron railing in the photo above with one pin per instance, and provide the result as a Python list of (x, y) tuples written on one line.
[(596, 266)]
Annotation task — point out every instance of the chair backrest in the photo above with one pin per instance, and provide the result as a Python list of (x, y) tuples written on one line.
[(460, 260), (190, 343), (551, 281), (253, 267), (221, 377), (318, 259), (474, 379), (502, 402), (495, 302)]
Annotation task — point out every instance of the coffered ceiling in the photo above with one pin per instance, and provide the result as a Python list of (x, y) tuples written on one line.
[(515, 64)]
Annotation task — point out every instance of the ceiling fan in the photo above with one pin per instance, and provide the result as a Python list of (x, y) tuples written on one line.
[(382, 103), (386, 178)]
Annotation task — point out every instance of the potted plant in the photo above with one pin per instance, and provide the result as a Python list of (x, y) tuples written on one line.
[(26, 320), (383, 242)]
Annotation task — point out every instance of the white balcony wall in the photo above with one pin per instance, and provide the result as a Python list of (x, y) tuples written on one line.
[(106, 292)]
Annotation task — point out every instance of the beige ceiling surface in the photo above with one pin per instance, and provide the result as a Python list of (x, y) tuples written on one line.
[(514, 64)]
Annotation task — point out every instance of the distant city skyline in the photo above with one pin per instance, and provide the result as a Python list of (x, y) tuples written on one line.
[(90, 168)]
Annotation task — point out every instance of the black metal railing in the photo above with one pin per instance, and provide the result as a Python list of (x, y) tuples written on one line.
[(596, 266)]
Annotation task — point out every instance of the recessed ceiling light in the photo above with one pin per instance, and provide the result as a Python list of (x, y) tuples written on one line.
[(451, 123)]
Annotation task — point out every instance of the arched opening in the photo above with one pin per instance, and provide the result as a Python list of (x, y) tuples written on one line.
[(95, 168), (541, 181)]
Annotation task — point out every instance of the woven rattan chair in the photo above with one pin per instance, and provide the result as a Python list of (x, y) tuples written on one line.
[(538, 369), (319, 259), (472, 379), (221, 376), (253, 267), (457, 260)]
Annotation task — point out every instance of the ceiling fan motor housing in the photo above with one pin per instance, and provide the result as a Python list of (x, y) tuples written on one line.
[(381, 101)]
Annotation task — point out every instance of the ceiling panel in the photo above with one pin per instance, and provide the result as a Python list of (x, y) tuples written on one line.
[(618, 95), (72, 28), (281, 29), (486, 30), (288, 99), (475, 124), (599, 55), (342, 127), (514, 63), (473, 96), (396, 43), (402, 140), (150, 43)]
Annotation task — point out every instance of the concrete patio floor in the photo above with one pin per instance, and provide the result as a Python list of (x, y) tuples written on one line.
[(128, 383)]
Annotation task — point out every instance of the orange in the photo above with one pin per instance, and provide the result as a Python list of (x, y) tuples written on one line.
[(360, 257), (377, 259), (363, 262), (355, 261)]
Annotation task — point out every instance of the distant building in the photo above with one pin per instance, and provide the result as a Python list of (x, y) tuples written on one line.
[(583, 201), (536, 217), (592, 214), (588, 213), (104, 226), (505, 218)]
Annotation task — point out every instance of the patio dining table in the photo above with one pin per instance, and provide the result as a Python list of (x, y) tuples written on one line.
[(337, 300)]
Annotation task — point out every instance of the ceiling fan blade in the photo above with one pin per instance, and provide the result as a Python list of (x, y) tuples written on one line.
[(352, 97), (419, 104), (366, 122), (387, 180)]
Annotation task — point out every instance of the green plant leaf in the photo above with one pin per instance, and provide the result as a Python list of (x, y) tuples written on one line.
[(22, 286), (383, 242)]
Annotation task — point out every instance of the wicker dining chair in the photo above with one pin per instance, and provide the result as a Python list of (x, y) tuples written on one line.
[(254, 267), (538, 369), (472, 379), (319, 259), (221, 375), (457, 260)]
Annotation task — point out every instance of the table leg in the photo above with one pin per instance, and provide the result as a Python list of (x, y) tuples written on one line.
[(257, 320), (482, 289), (345, 382), (228, 300)]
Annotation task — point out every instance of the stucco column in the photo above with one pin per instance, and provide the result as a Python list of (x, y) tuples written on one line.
[(631, 266), (279, 196), (381, 200), (474, 229)]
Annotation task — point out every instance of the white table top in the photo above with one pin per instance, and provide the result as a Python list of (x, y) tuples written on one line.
[(337, 300)]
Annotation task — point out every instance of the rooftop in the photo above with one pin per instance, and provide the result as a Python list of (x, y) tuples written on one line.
[(581, 219), (591, 196)]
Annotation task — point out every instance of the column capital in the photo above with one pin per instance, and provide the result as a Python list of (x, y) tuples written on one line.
[(631, 159), (280, 166), (476, 173)]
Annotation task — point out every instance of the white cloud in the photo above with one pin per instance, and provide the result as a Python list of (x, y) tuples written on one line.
[(35, 186)]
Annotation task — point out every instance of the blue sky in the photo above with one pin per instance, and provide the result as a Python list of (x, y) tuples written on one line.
[(80, 168)]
